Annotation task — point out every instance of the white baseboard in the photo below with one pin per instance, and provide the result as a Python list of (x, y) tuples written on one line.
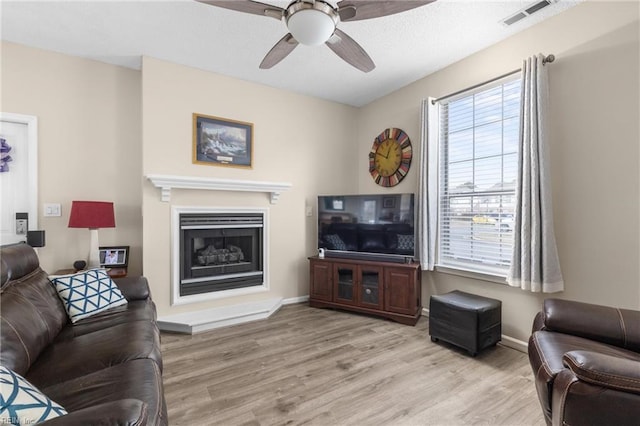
[(294, 300), (205, 320), (507, 341), (513, 343)]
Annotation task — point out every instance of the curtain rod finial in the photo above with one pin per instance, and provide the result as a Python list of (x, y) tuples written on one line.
[(548, 59)]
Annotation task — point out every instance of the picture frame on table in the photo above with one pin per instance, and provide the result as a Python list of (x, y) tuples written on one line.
[(114, 256), (222, 142)]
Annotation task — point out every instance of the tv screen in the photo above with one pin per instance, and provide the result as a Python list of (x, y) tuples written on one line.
[(377, 226)]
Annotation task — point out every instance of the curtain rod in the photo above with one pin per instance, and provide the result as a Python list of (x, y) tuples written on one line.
[(547, 60)]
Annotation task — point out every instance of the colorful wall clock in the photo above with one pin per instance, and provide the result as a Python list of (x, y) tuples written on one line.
[(390, 157)]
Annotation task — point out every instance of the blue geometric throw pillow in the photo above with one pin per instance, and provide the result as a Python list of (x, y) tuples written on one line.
[(86, 293), (21, 403)]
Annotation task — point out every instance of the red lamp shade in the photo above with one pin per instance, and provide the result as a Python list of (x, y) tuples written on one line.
[(92, 215)]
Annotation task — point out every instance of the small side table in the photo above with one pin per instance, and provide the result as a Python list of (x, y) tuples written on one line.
[(113, 272), (117, 272)]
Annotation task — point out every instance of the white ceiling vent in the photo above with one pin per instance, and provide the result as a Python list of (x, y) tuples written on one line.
[(527, 11)]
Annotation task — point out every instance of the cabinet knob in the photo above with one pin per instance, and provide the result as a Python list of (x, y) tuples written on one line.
[(367, 290)]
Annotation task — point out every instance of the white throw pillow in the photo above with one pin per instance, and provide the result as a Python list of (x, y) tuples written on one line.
[(23, 404), (86, 293)]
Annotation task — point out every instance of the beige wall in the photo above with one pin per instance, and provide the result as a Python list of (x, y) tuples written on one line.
[(594, 151), (88, 144), (297, 139)]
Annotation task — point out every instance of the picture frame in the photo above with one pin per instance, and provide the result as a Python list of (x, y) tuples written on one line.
[(114, 256), (222, 142)]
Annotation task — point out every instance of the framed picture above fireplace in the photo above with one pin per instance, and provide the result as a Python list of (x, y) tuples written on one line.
[(222, 142)]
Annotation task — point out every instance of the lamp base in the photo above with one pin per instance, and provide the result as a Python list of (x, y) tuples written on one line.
[(94, 251)]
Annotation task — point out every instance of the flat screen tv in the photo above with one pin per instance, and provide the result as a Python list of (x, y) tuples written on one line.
[(369, 227)]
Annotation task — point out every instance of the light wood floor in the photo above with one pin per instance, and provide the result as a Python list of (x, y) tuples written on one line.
[(324, 367)]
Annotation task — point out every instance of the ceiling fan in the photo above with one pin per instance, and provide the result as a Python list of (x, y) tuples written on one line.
[(314, 22)]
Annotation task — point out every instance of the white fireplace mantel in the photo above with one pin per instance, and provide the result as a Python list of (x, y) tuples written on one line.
[(167, 182)]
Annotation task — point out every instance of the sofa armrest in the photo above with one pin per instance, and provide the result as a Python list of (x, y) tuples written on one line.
[(133, 288), (538, 322), (605, 370), (613, 326), (577, 402), (121, 412)]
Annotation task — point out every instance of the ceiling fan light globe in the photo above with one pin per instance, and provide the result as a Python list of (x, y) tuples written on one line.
[(311, 27)]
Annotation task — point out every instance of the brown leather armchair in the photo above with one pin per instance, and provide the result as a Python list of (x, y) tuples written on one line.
[(586, 363)]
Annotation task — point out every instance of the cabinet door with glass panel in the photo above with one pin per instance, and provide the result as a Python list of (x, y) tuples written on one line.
[(358, 285), (345, 282), (370, 286)]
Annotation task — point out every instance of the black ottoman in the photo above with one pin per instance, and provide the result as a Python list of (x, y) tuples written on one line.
[(466, 320)]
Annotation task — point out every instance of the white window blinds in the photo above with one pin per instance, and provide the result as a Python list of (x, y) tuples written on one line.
[(477, 177)]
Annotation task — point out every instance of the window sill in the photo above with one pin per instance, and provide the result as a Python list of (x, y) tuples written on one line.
[(498, 279)]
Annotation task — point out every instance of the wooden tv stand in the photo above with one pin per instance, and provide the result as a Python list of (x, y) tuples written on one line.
[(386, 289)]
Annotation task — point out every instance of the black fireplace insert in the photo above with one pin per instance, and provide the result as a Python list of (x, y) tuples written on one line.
[(220, 251)]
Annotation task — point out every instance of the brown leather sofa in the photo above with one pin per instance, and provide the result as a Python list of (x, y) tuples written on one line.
[(586, 363), (105, 369)]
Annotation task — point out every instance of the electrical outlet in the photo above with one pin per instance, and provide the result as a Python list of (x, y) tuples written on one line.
[(52, 210)]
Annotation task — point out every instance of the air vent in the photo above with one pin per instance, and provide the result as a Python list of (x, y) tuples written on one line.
[(515, 18), (527, 11)]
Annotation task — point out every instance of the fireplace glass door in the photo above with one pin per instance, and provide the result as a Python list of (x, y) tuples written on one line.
[(220, 252)]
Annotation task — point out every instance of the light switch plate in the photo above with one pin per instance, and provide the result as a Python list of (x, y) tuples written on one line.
[(52, 210)]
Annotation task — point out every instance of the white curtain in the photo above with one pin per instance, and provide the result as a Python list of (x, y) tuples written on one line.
[(428, 186), (534, 263)]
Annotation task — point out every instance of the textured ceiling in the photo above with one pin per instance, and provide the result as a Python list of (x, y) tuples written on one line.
[(405, 47)]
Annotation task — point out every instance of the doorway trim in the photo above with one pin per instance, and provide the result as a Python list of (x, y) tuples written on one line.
[(31, 121)]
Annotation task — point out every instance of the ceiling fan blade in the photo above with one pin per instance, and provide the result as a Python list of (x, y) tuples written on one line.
[(349, 50), (375, 9), (248, 6), (279, 51)]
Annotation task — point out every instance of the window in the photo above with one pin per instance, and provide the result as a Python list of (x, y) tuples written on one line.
[(478, 169)]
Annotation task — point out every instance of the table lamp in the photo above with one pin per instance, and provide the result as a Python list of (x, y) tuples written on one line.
[(92, 215)]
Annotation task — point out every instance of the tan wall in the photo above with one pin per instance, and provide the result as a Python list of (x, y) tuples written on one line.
[(297, 139), (594, 151), (88, 144)]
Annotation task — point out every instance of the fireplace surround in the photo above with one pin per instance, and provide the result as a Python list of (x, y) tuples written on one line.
[(218, 253)]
